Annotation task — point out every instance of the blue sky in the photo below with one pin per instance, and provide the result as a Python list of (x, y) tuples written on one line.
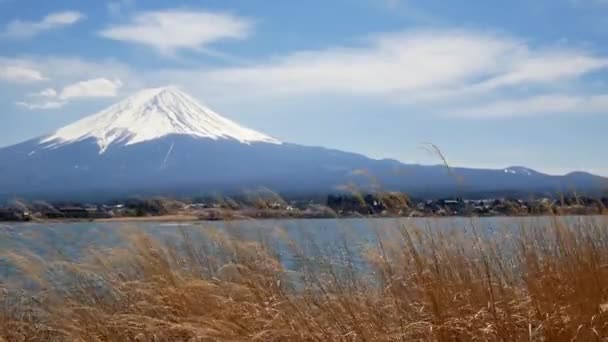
[(492, 83)]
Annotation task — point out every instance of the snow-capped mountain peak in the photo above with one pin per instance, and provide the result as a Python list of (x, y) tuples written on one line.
[(151, 114)]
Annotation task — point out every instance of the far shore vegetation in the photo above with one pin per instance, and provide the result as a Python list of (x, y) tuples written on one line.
[(271, 205)]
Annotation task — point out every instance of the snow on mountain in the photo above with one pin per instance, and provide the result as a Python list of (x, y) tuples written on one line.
[(151, 114), (519, 170)]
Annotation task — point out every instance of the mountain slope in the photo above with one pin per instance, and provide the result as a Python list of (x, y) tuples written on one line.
[(161, 141)]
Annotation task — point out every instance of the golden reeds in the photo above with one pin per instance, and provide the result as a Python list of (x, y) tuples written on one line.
[(542, 282)]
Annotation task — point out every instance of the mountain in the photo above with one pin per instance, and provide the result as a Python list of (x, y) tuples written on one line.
[(152, 114), (162, 141)]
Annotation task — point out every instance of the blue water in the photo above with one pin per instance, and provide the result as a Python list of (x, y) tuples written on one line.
[(72, 238), (73, 241)]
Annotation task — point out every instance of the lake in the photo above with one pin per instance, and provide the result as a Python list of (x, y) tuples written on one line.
[(71, 239), (324, 238)]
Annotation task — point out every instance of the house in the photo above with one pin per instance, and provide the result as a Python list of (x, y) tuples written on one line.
[(74, 212), (454, 206), (198, 206), (275, 205), (12, 214)]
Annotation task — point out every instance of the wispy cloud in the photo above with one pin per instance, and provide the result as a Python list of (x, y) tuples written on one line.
[(99, 87), (538, 105), (171, 30), (429, 64), (546, 67), (94, 88), (41, 106), (391, 63), (20, 74), (59, 70), (26, 29), (48, 92)]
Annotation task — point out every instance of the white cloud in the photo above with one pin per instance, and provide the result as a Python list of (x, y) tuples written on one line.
[(17, 73), (170, 30), (425, 64), (26, 29), (538, 105), (68, 70), (99, 87), (548, 67), (43, 105), (94, 88), (48, 92), (393, 63)]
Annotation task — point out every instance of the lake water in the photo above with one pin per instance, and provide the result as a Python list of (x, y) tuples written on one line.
[(73, 241), (70, 240)]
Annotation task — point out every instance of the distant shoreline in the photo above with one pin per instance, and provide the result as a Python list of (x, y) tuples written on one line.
[(161, 218), (193, 218), (343, 206)]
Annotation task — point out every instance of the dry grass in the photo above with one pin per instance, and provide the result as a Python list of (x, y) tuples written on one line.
[(547, 282)]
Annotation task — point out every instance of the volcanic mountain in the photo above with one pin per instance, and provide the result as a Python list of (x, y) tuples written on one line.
[(152, 114), (161, 141)]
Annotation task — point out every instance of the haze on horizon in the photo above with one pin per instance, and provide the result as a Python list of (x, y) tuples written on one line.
[(492, 83)]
